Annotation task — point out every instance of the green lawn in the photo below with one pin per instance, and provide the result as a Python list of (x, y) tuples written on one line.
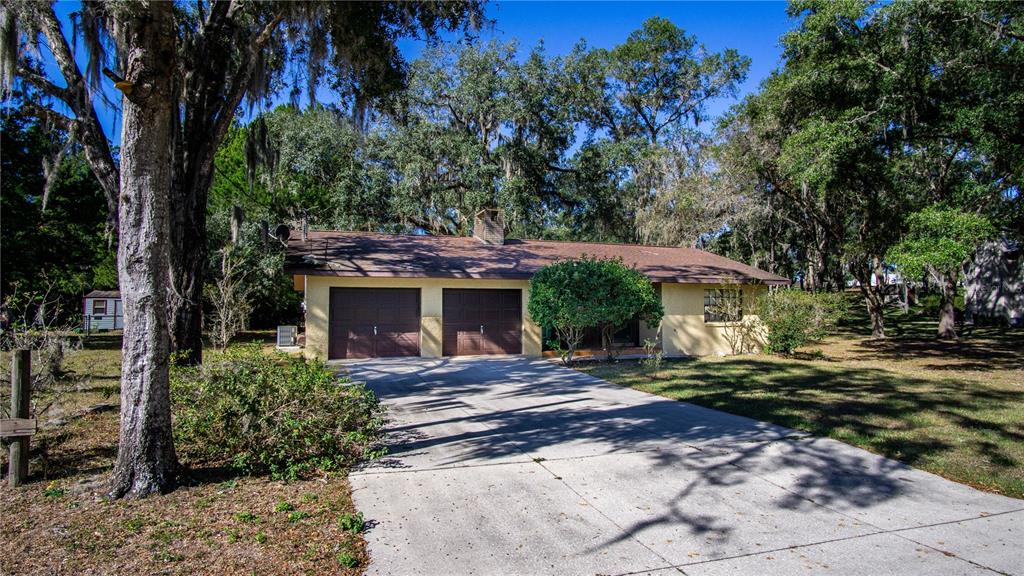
[(955, 409)]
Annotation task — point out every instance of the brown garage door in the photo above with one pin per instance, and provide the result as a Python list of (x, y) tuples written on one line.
[(374, 322), (482, 322)]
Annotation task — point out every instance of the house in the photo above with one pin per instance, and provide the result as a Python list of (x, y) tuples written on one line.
[(994, 284), (376, 295), (101, 310)]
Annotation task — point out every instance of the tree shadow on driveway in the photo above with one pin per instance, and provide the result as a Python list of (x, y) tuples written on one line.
[(695, 470)]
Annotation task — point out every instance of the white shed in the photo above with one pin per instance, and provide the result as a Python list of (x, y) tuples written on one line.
[(101, 310)]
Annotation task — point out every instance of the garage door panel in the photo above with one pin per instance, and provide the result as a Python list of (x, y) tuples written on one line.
[(397, 344), (481, 321), (360, 342), (363, 315), (374, 322)]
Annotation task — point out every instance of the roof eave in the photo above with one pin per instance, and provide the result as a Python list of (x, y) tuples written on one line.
[(505, 275)]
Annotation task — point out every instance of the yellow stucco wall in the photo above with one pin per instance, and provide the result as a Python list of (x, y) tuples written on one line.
[(683, 330), (318, 289)]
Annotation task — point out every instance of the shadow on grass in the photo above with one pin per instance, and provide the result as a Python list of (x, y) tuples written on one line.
[(67, 454), (993, 349), (914, 335), (914, 420)]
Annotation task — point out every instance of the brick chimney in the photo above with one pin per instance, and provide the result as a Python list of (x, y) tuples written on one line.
[(489, 226)]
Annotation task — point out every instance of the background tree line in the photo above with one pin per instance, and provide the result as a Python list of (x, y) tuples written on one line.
[(598, 144), (879, 111)]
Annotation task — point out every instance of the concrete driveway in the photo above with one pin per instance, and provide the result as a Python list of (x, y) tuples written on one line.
[(506, 465)]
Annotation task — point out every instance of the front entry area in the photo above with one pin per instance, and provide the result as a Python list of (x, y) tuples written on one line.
[(374, 322), (482, 321)]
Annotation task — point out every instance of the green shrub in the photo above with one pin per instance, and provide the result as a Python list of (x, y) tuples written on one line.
[(247, 517), (297, 515), (348, 559), (353, 523), (570, 296), (795, 318), (259, 413)]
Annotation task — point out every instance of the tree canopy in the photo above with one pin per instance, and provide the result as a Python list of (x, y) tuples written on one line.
[(598, 144), (880, 110)]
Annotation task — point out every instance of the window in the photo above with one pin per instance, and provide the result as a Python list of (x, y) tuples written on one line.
[(99, 307), (722, 305)]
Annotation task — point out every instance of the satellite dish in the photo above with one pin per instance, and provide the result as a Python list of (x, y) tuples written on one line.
[(282, 233)]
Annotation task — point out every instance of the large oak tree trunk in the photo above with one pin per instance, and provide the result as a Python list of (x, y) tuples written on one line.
[(947, 309), (211, 107), (146, 461), (188, 261)]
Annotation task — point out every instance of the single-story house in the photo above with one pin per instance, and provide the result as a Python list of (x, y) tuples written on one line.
[(101, 310), (377, 295)]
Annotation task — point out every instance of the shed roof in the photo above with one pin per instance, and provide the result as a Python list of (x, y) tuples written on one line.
[(361, 254), (103, 294)]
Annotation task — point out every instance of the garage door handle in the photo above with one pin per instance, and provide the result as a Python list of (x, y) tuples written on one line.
[(481, 328)]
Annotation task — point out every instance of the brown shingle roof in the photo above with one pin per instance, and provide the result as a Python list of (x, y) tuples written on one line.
[(380, 255), (103, 294)]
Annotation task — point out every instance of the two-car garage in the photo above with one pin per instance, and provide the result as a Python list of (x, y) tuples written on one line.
[(385, 322)]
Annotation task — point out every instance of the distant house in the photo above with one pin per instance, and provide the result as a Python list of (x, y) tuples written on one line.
[(101, 310), (994, 284), (369, 295)]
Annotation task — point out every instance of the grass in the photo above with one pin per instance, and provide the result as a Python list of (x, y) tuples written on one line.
[(952, 408), (60, 522)]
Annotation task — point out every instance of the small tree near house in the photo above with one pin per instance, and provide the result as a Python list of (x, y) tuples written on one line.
[(573, 295), (228, 295), (730, 306), (939, 241), (793, 318)]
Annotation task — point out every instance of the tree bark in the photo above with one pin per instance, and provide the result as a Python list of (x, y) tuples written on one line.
[(876, 310), (947, 308), (146, 461), (188, 261), (874, 298), (215, 89)]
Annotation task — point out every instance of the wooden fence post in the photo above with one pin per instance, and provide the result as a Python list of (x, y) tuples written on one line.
[(21, 390)]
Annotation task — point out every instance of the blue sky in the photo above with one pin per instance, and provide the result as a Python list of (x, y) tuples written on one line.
[(752, 28)]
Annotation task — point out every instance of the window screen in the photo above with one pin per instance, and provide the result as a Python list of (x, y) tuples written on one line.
[(99, 306)]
